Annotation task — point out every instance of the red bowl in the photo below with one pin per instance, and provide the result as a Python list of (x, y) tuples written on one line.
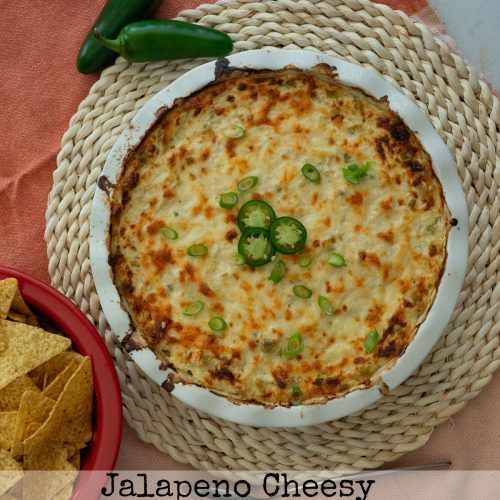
[(102, 451)]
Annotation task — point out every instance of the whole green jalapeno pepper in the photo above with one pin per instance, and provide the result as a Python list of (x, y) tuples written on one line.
[(115, 14), (156, 40)]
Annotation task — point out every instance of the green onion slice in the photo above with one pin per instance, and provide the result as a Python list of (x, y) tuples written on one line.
[(255, 213), (354, 172), (288, 235), (305, 260), (217, 324), (296, 396), (295, 345), (228, 200), (239, 260), (168, 232), (371, 341), (234, 131), (247, 183), (194, 308), (255, 246), (325, 305), (336, 260), (278, 272), (197, 250), (302, 291), (311, 173)]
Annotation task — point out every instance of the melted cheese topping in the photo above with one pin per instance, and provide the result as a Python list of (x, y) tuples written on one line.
[(391, 229)]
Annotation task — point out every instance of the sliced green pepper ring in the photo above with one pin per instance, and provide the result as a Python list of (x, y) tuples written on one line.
[(336, 260), (278, 272), (325, 305), (194, 308), (296, 396), (255, 246), (228, 200), (197, 250), (247, 183), (305, 260), (234, 131), (288, 235), (255, 213), (217, 324), (168, 232), (311, 173), (371, 341), (302, 291), (295, 345)]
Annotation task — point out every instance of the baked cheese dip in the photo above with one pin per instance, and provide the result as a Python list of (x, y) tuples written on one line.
[(277, 237)]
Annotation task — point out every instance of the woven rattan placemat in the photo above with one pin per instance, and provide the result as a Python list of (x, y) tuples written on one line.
[(467, 117)]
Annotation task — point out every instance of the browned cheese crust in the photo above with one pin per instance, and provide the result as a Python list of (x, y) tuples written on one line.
[(391, 228)]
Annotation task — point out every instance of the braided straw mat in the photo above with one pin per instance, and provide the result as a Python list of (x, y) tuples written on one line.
[(467, 117)]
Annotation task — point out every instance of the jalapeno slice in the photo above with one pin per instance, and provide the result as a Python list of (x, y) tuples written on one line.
[(255, 213), (255, 246), (288, 235)]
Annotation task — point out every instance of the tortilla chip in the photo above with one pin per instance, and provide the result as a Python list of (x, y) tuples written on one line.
[(48, 456), (19, 306), (44, 374), (8, 288), (3, 340), (11, 471), (33, 412), (28, 347), (6, 496), (19, 318), (64, 494), (54, 389), (7, 428), (70, 420), (10, 395), (74, 460)]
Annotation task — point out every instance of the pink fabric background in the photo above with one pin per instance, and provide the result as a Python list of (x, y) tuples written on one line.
[(39, 91)]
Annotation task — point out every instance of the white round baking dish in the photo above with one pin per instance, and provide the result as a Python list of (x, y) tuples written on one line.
[(428, 332)]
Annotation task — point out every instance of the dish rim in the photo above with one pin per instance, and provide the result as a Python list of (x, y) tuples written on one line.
[(102, 451), (428, 332)]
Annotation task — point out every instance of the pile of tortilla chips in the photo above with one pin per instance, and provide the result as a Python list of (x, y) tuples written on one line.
[(45, 403)]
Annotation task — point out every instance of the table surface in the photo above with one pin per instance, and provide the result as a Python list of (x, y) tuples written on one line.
[(41, 89)]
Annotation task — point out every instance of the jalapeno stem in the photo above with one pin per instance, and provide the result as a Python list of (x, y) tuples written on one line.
[(118, 45)]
